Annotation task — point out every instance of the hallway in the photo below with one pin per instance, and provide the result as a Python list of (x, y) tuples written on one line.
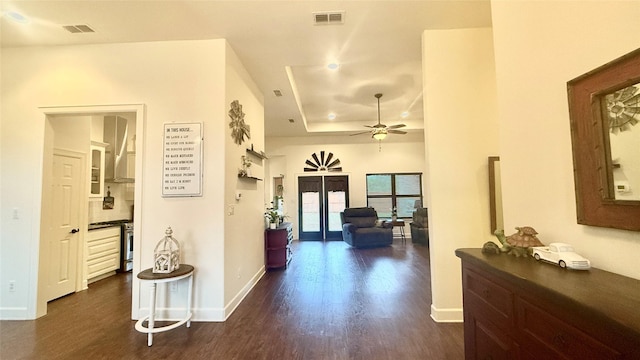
[(333, 302)]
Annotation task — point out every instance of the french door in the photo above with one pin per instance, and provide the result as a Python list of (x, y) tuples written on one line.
[(321, 199)]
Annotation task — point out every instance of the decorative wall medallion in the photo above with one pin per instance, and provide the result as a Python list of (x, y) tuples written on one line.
[(322, 164), (239, 129)]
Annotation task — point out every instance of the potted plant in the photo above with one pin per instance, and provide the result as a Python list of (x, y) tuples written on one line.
[(246, 166), (273, 218)]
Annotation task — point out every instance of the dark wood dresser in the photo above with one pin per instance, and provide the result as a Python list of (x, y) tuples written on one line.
[(277, 242), (518, 308)]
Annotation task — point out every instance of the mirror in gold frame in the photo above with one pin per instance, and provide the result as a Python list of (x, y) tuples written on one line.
[(597, 101)]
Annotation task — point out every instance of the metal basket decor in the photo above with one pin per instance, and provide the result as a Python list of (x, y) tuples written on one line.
[(166, 256)]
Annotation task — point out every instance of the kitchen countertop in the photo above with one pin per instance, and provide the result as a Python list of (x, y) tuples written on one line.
[(106, 224)]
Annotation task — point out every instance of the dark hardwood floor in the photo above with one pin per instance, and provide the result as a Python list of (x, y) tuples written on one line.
[(333, 302)]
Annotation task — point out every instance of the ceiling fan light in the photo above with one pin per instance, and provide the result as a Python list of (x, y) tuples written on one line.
[(17, 17), (379, 135)]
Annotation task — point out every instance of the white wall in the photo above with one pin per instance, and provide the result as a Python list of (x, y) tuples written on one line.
[(358, 156), (539, 46), (461, 132), (181, 81), (244, 240)]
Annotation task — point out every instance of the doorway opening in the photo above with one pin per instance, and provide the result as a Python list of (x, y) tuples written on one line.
[(321, 199), (71, 128)]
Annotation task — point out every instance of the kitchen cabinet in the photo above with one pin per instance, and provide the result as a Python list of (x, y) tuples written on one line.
[(96, 181), (517, 308), (103, 251), (278, 246)]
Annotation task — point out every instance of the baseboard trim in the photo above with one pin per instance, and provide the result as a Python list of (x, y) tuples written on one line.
[(235, 302), (446, 315), (15, 313), (206, 314), (98, 278)]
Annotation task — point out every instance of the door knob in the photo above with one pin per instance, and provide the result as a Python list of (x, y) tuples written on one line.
[(73, 231)]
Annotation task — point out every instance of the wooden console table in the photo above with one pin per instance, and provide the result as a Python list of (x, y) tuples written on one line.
[(184, 271), (517, 308)]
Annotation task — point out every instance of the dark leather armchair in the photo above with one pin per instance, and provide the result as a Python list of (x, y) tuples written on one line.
[(420, 227), (360, 228)]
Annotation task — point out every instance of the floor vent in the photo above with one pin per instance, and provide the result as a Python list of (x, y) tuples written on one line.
[(75, 29), (328, 18)]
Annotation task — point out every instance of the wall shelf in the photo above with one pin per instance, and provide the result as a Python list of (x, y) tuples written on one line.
[(260, 154), (248, 177)]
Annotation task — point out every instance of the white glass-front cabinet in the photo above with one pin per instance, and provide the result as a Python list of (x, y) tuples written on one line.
[(97, 170)]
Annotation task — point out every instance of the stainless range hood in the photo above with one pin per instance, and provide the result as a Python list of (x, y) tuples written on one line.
[(116, 131)]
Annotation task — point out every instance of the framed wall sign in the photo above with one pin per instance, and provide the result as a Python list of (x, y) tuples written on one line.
[(182, 160)]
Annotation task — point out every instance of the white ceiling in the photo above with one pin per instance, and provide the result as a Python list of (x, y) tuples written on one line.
[(378, 47)]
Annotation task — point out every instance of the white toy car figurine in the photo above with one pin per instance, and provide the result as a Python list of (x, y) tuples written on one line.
[(561, 254)]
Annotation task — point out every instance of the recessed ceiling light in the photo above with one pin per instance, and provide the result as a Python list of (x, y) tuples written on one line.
[(332, 116), (17, 17), (404, 114), (333, 66)]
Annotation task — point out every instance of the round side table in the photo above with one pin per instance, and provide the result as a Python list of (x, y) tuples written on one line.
[(184, 271)]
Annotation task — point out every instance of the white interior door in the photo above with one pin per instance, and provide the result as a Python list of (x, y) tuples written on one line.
[(65, 221)]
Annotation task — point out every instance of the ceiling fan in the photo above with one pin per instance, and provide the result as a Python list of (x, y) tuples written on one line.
[(379, 131)]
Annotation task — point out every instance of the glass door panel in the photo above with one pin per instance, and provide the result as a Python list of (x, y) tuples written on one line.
[(311, 208), (337, 203), (336, 195), (311, 212), (322, 199)]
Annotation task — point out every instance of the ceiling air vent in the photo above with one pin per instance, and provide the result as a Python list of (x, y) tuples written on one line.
[(277, 92), (75, 29), (328, 18)]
